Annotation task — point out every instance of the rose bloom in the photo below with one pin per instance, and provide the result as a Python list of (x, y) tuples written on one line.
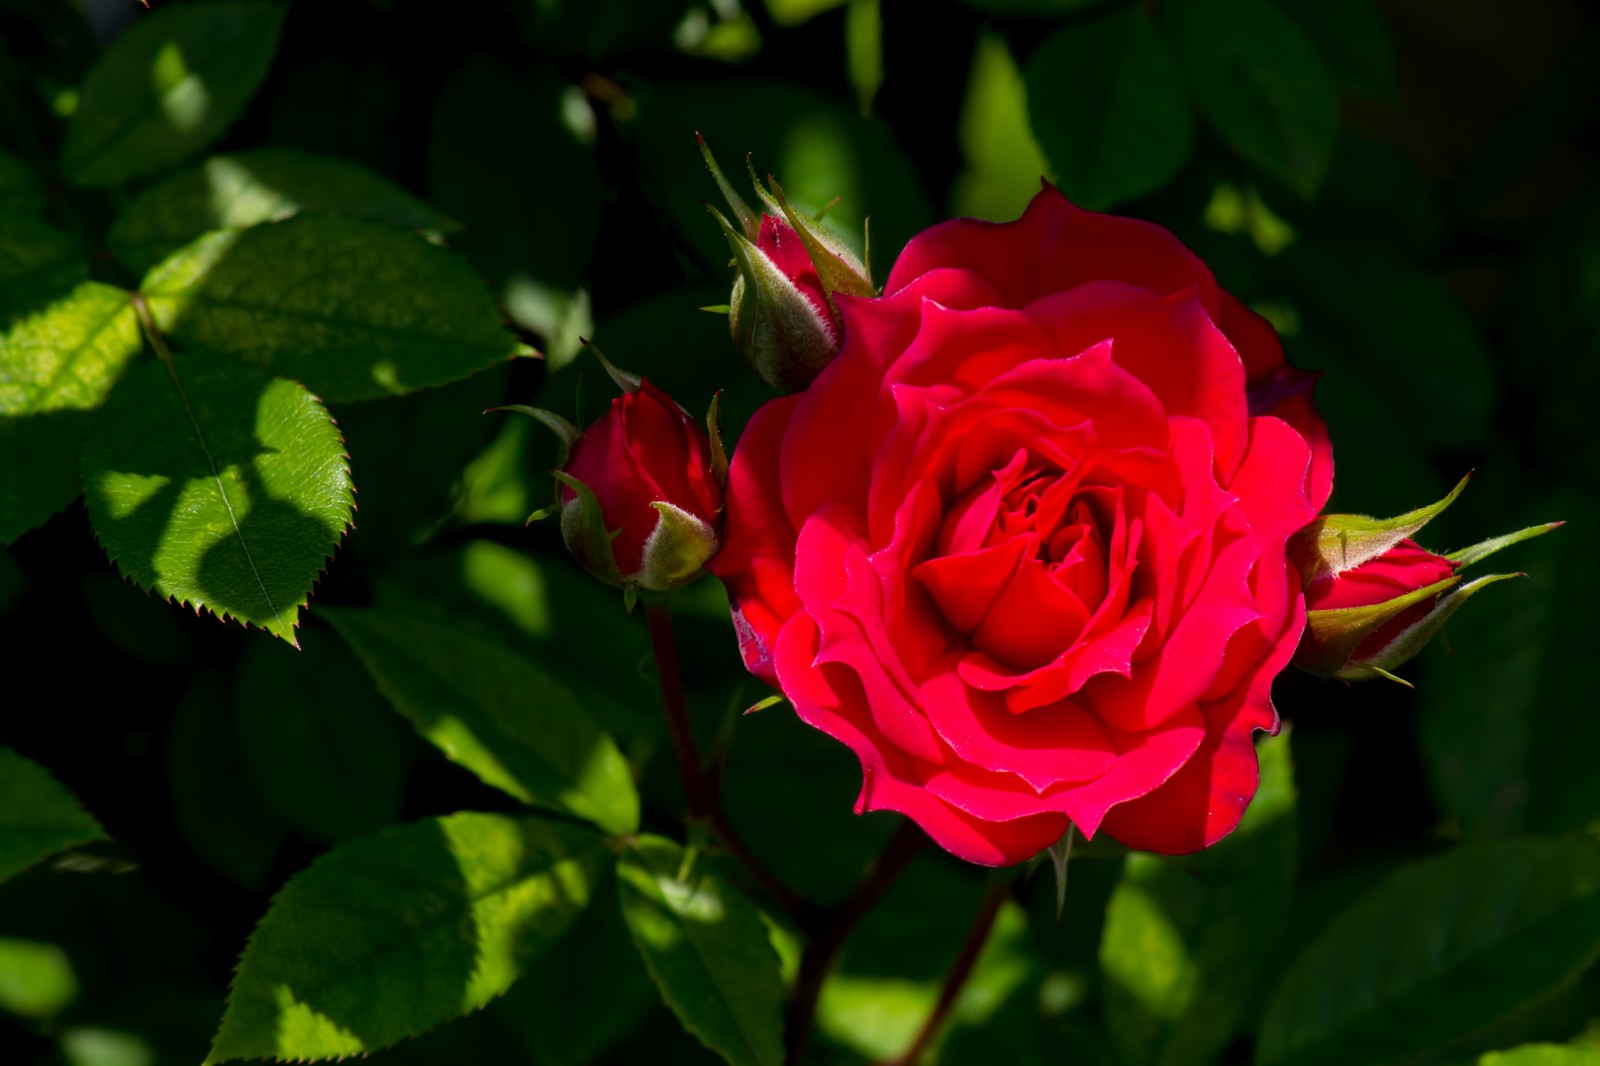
[(1021, 545), (1404, 568)]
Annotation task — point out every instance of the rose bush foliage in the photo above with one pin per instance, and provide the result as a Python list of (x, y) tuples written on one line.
[(1021, 546)]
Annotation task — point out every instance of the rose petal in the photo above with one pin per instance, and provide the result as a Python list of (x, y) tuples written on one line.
[(1053, 247), (756, 562)]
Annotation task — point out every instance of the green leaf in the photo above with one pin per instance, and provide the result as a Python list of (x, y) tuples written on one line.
[(1105, 103), (1261, 82), (37, 263), (319, 741), (491, 710), (249, 188), (1035, 8), (385, 937), (38, 817), (1004, 161), (1187, 939), (1544, 1055), (36, 978), (353, 308), (1355, 40), (57, 364), (1473, 934), (169, 86), (707, 950), (219, 487)]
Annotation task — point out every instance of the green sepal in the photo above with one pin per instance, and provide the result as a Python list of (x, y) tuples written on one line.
[(767, 201), (625, 380), (1338, 542), (719, 451), (837, 267), (676, 551), (1060, 854), (1483, 549), (1409, 642), (749, 221), (785, 338), (761, 705), (583, 528), (1335, 633), (566, 433)]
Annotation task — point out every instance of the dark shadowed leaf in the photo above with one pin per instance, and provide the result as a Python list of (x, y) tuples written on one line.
[(220, 488), (319, 741), (1105, 103), (355, 309), (169, 86), (817, 147), (1261, 82), (385, 937), (495, 712), (1505, 721), (1473, 934), (37, 263), (57, 365), (250, 188), (707, 950), (217, 807), (38, 817), (1187, 938), (530, 203), (19, 187), (1354, 39)]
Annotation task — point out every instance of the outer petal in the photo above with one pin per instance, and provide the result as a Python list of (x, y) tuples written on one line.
[(757, 557), (1053, 247)]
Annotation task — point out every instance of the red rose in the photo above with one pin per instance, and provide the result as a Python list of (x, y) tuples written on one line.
[(640, 501), (1021, 545)]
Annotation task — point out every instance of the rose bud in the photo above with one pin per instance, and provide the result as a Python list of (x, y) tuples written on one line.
[(640, 490), (1374, 597), (782, 313)]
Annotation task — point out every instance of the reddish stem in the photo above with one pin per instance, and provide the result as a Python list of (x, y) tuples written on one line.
[(956, 979), (698, 790), (819, 956)]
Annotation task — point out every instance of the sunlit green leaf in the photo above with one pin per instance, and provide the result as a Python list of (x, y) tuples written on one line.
[(355, 309), (170, 85), (318, 739), (385, 937), (249, 188), (1261, 82), (491, 709), (1544, 1055), (1106, 106), (1473, 934), (220, 488), (38, 817), (36, 978), (57, 364), (1187, 939), (1004, 161), (707, 950)]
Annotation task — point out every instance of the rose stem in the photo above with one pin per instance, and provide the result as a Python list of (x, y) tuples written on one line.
[(977, 936), (819, 956), (697, 791)]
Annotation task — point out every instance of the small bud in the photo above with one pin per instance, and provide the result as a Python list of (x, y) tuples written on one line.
[(1374, 597), (639, 493), (782, 312)]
